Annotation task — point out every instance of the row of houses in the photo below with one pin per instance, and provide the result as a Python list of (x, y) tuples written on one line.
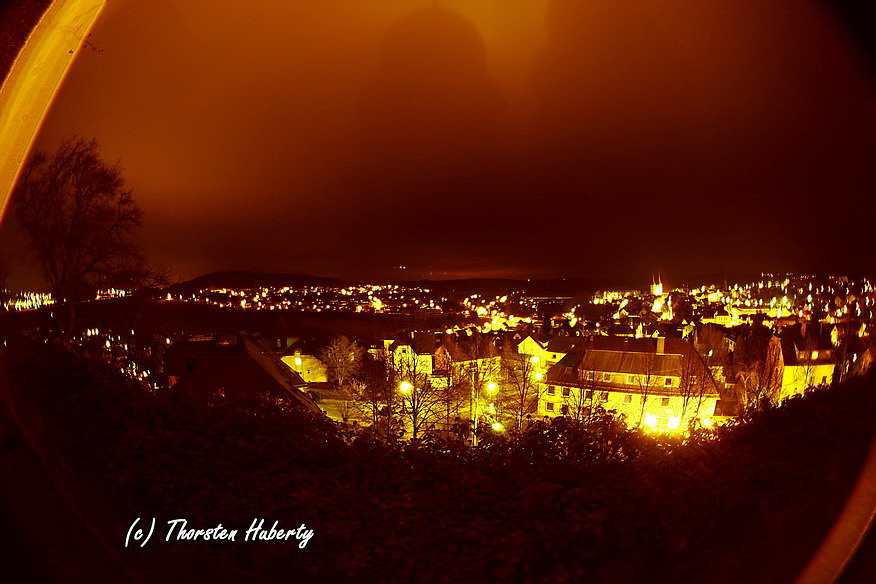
[(662, 383)]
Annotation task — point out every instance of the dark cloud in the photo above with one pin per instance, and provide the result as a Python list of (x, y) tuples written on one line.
[(485, 136)]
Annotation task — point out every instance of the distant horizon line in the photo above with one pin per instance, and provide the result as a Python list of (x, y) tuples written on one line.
[(593, 282)]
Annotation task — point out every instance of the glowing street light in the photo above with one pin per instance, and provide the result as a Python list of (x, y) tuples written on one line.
[(497, 427), (539, 374), (491, 386), (405, 387)]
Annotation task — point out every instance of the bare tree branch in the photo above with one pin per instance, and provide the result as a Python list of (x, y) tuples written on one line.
[(79, 217)]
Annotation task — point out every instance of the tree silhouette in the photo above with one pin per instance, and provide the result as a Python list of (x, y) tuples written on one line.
[(79, 218), (522, 389), (342, 358)]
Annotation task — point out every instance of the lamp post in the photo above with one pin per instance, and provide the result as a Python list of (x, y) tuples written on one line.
[(409, 390), (491, 391), (476, 398), (474, 413)]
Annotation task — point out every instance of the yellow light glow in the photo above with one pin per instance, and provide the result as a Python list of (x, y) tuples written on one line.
[(405, 387), (539, 375), (707, 422), (534, 359), (498, 427), (298, 361), (491, 386)]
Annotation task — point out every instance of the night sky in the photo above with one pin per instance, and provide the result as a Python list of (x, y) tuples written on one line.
[(475, 138)]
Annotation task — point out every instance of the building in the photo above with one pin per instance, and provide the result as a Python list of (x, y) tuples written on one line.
[(304, 362), (413, 354), (659, 383), (236, 368), (807, 361), (546, 353), (532, 345)]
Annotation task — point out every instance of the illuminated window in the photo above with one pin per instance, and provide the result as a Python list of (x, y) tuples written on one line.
[(662, 422), (606, 376), (628, 399), (665, 402), (631, 379)]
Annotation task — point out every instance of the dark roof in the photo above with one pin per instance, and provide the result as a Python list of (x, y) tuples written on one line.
[(627, 362), (672, 345), (421, 343), (569, 368), (791, 346), (478, 346), (239, 365), (795, 341), (561, 344)]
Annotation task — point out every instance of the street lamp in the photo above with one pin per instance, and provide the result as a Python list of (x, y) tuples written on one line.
[(409, 390)]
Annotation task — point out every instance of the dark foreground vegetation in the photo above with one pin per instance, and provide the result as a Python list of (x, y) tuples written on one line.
[(557, 503)]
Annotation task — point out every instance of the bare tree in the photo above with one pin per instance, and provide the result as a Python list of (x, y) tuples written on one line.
[(80, 217), (807, 356), (375, 393), (695, 383), (846, 340), (521, 389), (712, 345), (342, 358), (420, 398), (646, 380), (454, 389), (349, 408), (581, 405), (476, 360), (757, 362)]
